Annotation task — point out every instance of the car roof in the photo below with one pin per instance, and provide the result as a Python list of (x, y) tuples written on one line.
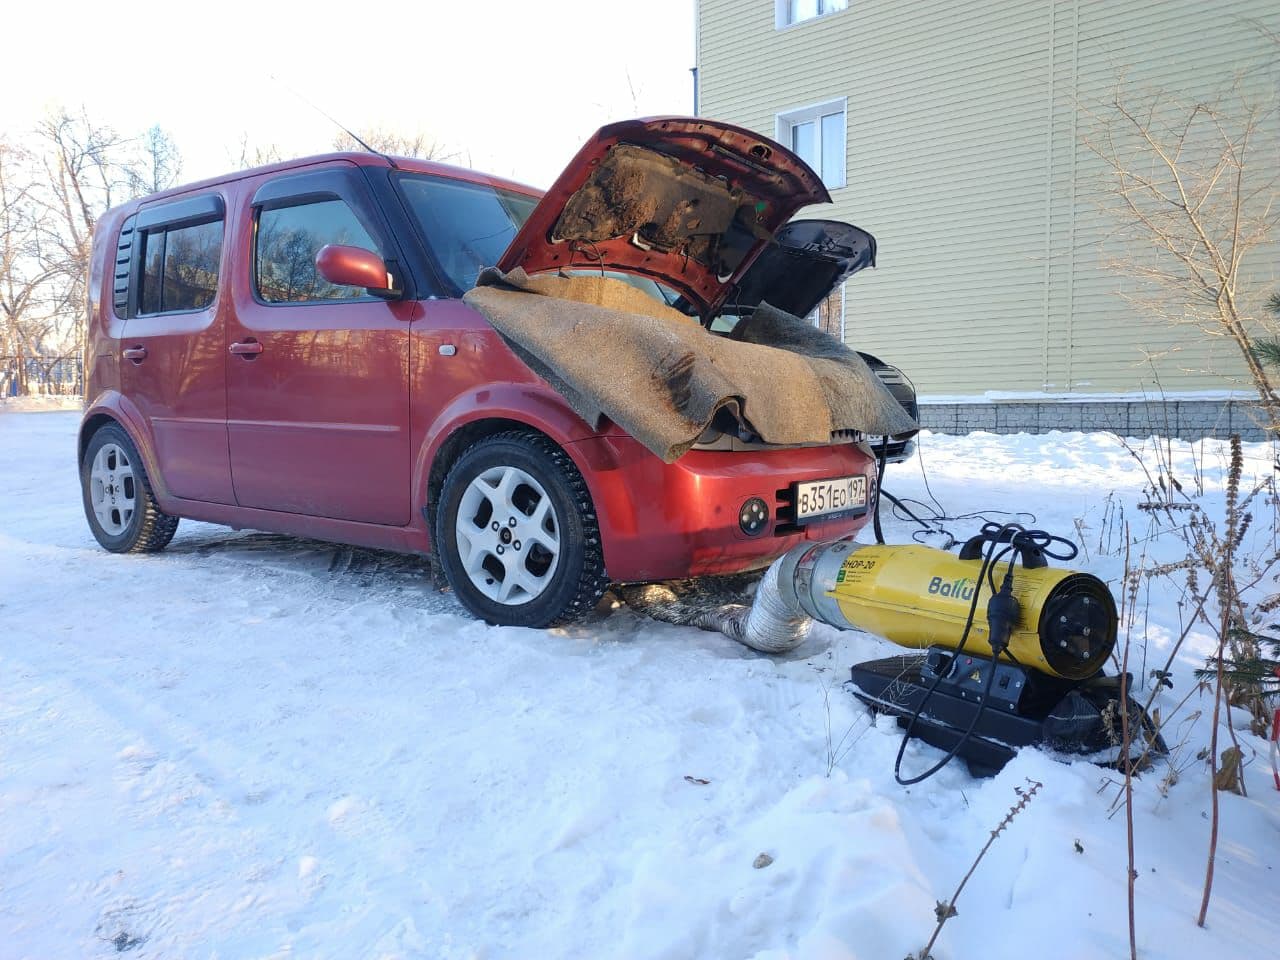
[(360, 158)]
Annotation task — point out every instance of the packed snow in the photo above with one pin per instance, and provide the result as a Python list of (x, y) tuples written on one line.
[(257, 746)]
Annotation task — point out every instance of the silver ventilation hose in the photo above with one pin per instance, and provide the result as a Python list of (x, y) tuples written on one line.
[(793, 592), (774, 622), (771, 624)]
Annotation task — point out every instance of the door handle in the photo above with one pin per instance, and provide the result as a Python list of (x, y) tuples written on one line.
[(246, 348), (136, 354)]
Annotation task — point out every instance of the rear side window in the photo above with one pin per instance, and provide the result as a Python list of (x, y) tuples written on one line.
[(288, 240), (179, 268)]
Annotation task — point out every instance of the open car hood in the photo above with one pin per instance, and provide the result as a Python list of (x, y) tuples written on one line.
[(689, 203), (806, 260)]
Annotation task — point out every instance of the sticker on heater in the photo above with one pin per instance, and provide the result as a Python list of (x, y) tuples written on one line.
[(855, 568)]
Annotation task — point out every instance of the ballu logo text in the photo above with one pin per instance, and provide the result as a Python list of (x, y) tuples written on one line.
[(962, 588)]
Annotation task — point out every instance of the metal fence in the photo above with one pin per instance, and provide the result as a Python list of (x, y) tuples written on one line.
[(63, 376)]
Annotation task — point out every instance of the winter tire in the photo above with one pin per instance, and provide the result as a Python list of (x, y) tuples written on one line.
[(516, 533), (118, 502)]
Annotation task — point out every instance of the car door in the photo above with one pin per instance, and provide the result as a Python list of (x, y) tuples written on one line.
[(173, 342), (317, 374)]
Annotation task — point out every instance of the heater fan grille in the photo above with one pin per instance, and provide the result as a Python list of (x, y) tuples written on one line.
[(1078, 627)]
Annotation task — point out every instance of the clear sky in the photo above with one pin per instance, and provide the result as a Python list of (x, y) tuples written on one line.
[(512, 87)]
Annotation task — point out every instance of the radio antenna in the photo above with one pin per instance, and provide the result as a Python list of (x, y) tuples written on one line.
[(341, 126)]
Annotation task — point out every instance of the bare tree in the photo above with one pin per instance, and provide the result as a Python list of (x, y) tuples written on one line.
[(1194, 186), (86, 173), (52, 193), (158, 165), (396, 144), (256, 155), (24, 272)]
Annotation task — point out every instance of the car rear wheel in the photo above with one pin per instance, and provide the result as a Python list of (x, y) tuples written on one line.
[(517, 535), (118, 502)]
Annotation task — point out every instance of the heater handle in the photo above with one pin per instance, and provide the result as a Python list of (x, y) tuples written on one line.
[(1032, 546), (1033, 557)]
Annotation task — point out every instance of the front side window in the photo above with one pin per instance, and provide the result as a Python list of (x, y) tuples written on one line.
[(467, 225), (180, 268), (288, 239), (817, 136)]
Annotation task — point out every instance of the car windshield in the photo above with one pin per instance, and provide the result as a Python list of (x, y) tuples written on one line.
[(659, 291), (468, 225)]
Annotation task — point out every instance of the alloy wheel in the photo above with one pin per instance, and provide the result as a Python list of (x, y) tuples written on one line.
[(113, 489), (508, 535)]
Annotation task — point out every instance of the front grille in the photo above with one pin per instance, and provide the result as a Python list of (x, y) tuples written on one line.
[(785, 513), (714, 441)]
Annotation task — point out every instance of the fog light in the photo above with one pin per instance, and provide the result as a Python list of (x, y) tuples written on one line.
[(753, 518)]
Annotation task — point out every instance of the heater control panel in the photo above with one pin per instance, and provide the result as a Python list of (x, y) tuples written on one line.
[(965, 676)]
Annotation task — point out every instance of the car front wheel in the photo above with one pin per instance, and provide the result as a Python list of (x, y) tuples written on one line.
[(517, 535)]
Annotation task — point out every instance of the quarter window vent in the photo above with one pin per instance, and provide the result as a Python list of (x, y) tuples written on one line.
[(124, 261)]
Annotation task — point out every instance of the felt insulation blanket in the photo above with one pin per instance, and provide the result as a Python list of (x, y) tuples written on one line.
[(614, 351)]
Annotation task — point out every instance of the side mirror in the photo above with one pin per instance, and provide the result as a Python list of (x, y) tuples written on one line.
[(356, 267)]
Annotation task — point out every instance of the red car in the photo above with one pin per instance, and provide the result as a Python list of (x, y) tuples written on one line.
[(285, 349)]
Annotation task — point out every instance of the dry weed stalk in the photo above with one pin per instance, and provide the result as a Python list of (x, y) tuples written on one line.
[(946, 909), (1125, 744), (837, 750), (1220, 571)]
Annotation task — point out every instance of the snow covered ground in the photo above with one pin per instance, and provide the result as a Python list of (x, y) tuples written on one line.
[(39, 404), (256, 746)]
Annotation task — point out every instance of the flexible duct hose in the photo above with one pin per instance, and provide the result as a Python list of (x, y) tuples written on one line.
[(769, 624)]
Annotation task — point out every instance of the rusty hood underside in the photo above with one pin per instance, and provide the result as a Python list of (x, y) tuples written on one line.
[(690, 203)]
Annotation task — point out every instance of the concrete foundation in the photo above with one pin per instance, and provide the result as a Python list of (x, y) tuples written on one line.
[(1182, 419)]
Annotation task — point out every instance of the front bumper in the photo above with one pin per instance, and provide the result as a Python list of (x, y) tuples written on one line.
[(661, 521)]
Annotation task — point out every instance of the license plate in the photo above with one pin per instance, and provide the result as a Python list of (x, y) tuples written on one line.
[(824, 498)]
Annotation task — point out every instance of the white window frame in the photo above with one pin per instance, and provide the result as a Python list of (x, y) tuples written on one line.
[(815, 315), (782, 13), (786, 119)]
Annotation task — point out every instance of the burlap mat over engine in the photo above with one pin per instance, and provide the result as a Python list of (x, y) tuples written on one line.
[(614, 351)]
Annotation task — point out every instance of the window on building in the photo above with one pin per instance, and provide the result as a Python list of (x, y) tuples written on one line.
[(180, 268), (828, 316), (289, 239), (797, 11), (817, 134)]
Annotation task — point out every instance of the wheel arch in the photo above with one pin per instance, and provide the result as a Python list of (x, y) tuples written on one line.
[(112, 407), (467, 435), (88, 427), (495, 409)]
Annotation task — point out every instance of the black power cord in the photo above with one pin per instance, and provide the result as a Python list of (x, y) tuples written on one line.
[(1002, 614), (931, 519), (1029, 546), (881, 459)]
